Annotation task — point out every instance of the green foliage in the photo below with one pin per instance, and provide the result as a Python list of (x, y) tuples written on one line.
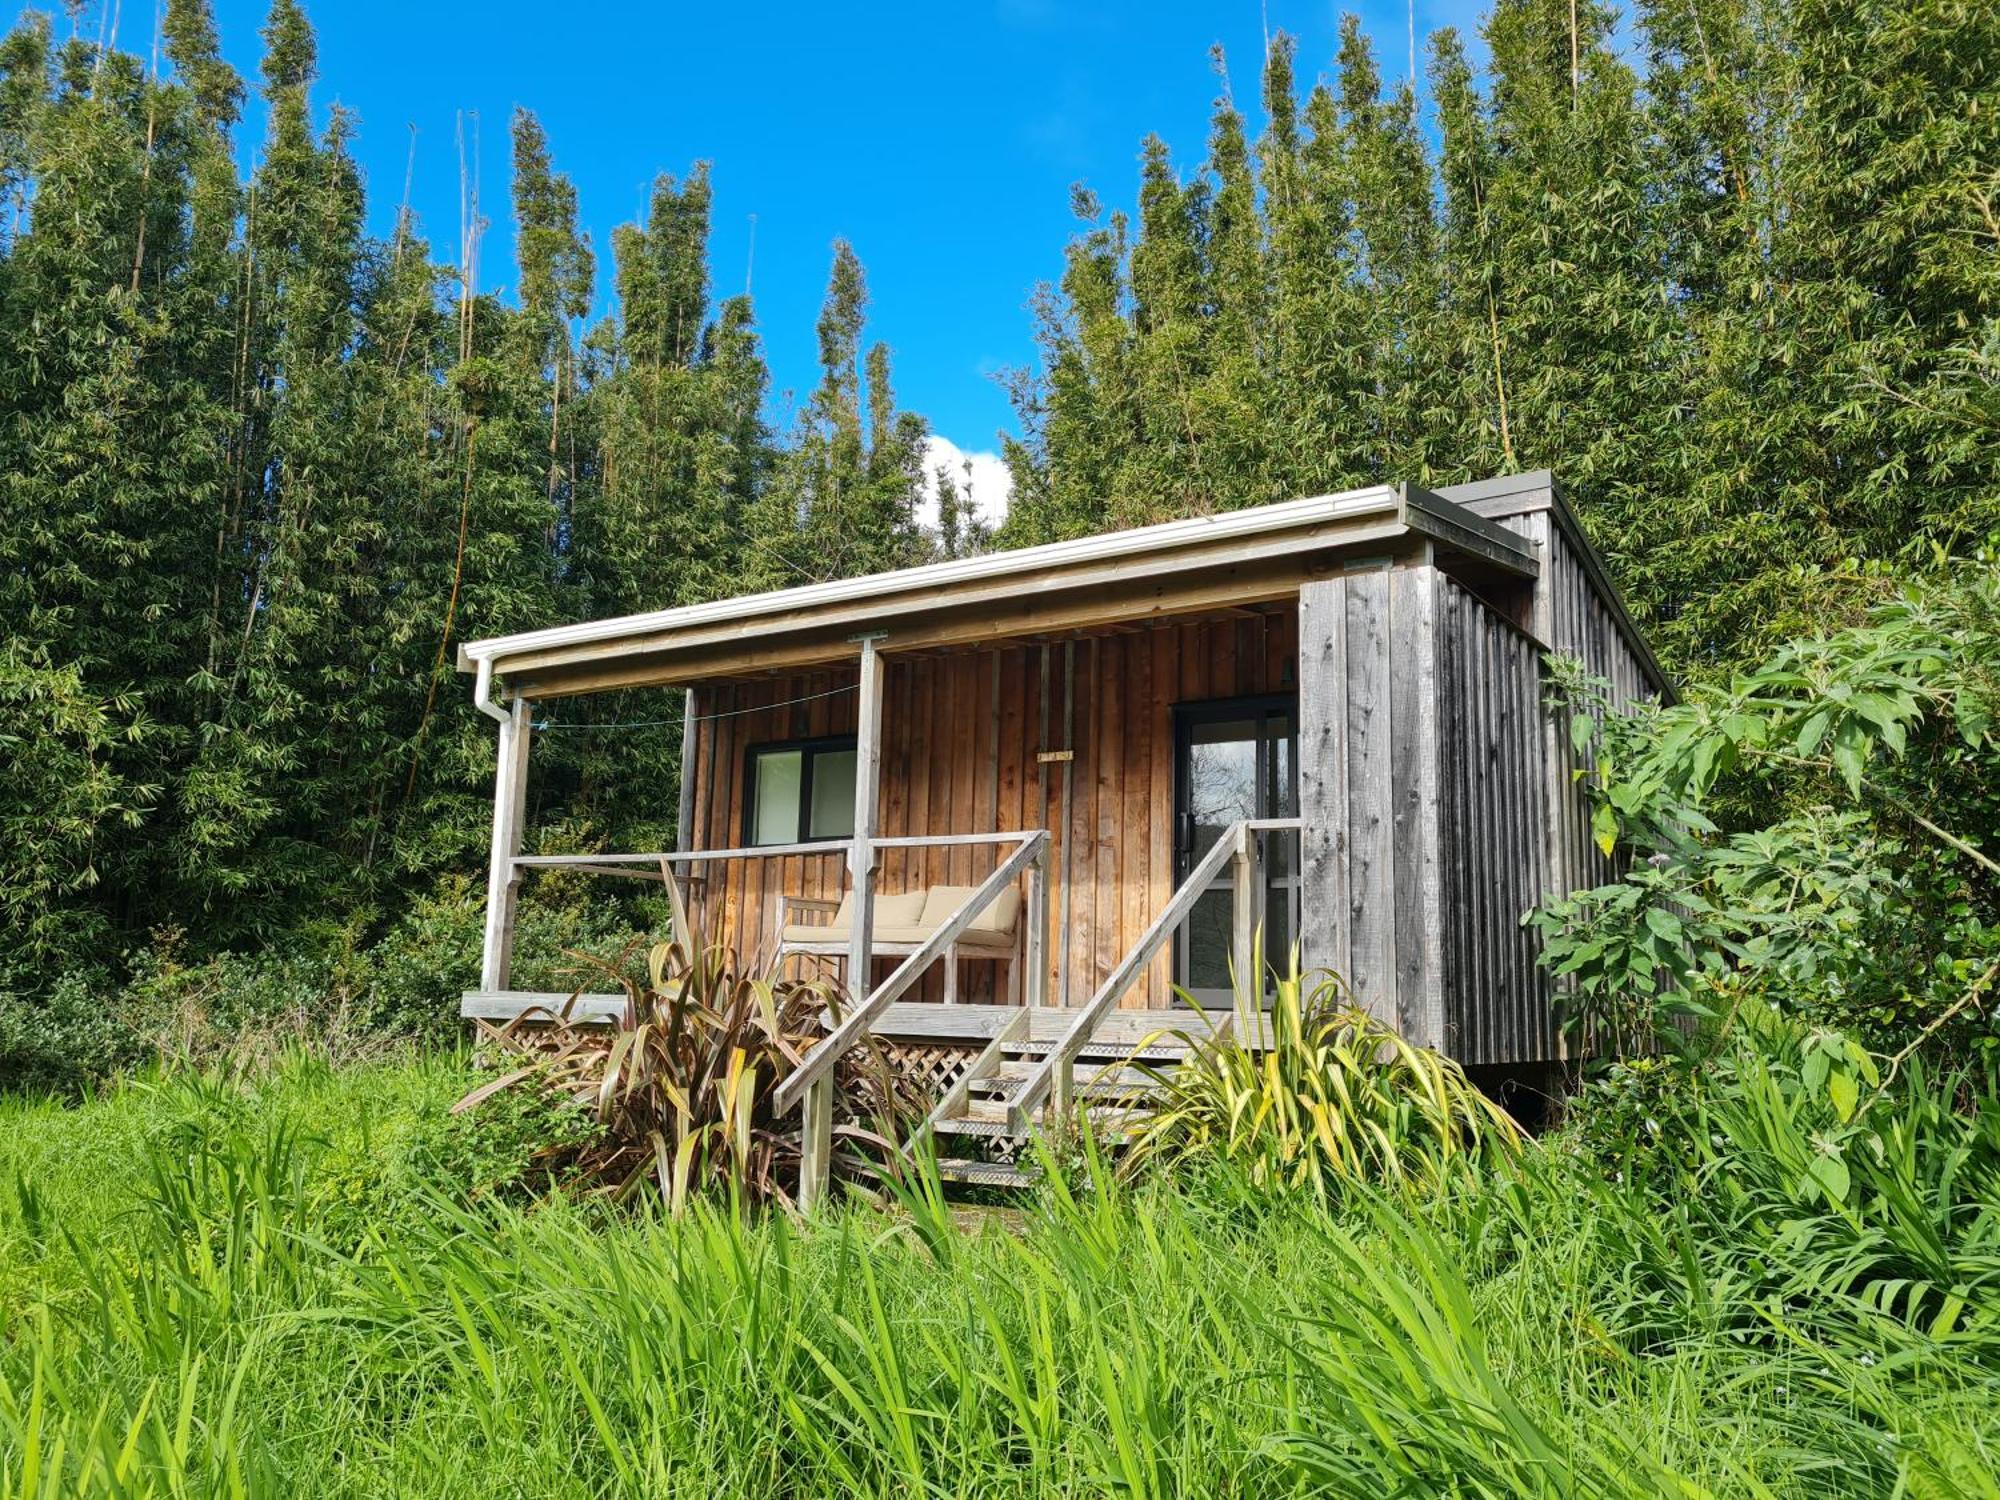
[(680, 1090), (1861, 1203), (1729, 269), (1861, 770), (261, 473), (842, 496), (304, 1281)]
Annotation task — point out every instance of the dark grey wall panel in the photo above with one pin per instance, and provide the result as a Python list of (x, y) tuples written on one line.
[(1492, 834)]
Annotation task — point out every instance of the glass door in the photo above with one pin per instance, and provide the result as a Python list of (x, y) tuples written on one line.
[(1233, 759)]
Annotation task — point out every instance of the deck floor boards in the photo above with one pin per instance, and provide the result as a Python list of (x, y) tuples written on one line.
[(906, 1020)]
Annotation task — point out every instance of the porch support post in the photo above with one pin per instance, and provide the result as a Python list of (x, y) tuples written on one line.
[(1248, 977), (510, 805), (816, 1127), (1035, 993), (684, 816), (867, 790)]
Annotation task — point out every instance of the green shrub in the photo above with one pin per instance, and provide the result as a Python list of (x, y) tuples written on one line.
[(680, 1090), (1807, 837), (326, 987), (1634, 1118), (66, 1039)]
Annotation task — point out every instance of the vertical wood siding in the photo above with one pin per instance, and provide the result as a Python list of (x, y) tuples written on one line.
[(961, 736), (1575, 620), (1492, 834), (1369, 791), (1515, 817)]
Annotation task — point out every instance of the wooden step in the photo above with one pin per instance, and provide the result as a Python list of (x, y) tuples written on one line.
[(1161, 1055), (981, 1119), (1110, 1082), (993, 1119), (985, 1173)]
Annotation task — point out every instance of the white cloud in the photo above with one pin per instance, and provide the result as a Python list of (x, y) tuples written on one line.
[(990, 483)]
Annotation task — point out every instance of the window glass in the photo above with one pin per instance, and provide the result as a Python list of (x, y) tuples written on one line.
[(775, 800), (832, 795)]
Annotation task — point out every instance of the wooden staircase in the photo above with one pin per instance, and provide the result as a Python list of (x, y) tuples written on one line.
[(980, 1139), (1037, 1059), (980, 1126)]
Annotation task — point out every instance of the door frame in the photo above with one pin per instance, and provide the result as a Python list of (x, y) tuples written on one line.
[(1186, 717)]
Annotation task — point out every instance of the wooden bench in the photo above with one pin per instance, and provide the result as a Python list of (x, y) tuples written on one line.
[(902, 925)]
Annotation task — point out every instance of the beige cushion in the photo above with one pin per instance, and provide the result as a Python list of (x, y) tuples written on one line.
[(901, 910), (1002, 942), (996, 921)]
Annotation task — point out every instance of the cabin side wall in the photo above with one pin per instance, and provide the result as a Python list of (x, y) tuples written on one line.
[(962, 738), (1494, 821), (1575, 620), (1516, 809)]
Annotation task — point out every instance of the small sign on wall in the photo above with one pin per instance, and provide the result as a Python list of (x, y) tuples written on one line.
[(1050, 757)]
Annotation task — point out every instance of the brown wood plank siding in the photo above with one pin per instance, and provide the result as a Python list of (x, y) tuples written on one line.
[(961, 738)]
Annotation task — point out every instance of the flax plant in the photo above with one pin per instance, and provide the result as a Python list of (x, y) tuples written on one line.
[(1331, 1097), (682, 1084)]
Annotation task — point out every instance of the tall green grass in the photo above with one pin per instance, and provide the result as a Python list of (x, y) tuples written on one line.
[(308, 1285)]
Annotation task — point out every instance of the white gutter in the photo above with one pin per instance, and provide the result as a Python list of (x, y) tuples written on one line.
[(482, 693)]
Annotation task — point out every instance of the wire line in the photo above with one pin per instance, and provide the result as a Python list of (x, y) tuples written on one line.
[(727, 713)]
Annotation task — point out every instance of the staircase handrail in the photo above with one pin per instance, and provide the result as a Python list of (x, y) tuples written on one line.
[(818, 1063), (1234, 843)]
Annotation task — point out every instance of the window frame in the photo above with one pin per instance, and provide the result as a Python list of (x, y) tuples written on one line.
[(809, 750)]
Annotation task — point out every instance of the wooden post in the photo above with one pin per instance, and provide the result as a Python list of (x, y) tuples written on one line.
[(1247, 921), (816, 1144), (1249, 984), (1037, 917), (684, 819), (510, 805), (816, 1124), (867, 791)]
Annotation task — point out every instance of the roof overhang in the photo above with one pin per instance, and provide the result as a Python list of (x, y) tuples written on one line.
[(1539, 490), (1175, 568)]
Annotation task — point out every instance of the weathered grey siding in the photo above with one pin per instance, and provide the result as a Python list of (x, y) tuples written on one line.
[(1576, 612), (1368, 790)]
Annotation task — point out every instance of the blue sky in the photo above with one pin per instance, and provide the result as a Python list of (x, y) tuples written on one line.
[(940, 139)]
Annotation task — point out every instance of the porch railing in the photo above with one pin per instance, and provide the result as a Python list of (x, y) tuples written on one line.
[(658, 865), (1054, 1077), (812, 1084)]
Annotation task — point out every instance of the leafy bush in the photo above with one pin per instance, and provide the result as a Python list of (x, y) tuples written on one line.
[(1331, 1097), (1632, 1117), (1862, 772), (328, 988), (65, 1040)]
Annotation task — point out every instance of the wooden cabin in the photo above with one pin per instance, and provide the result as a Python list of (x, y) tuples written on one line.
[(1120, 759)]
